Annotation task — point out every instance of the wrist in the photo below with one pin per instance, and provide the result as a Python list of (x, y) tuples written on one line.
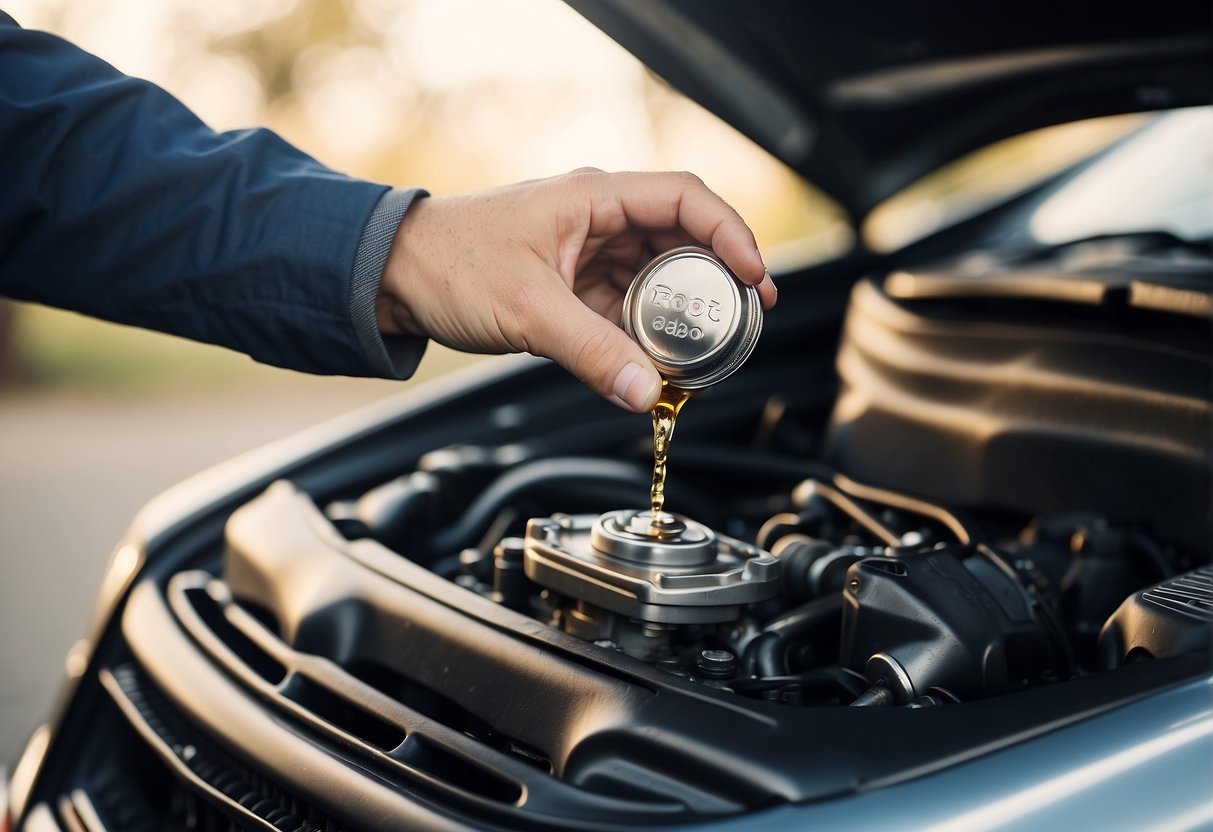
[(393, 304)]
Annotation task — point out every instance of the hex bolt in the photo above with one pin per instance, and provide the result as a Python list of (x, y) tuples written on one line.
[(717, 664), (510, 584)]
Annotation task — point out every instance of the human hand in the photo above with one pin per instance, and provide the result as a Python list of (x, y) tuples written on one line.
[(543, 266)]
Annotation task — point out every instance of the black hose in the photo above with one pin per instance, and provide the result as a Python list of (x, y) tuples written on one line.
[(1063, 652), (388, 509), (758, 659), (560, 478), (767, 655)]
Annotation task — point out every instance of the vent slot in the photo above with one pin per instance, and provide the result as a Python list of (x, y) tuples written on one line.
[(325, 697), (445, 766), (213, 615), (344, 714), (1190, 594), (445, 711)]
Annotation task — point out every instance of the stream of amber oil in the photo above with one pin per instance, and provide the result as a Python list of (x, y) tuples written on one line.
[(665, 415)]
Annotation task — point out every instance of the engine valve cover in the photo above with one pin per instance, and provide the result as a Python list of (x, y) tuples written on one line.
[(687, 575)]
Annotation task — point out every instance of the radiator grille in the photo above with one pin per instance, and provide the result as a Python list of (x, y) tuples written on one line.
[(239, 798)]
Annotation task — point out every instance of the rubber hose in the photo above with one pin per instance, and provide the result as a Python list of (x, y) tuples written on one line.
[(767, 655), (559, 476)]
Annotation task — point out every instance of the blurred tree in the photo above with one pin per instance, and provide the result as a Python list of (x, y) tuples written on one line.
[(275, 48)]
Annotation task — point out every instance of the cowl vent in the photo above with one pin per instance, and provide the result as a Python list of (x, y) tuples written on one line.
[(321, 697)]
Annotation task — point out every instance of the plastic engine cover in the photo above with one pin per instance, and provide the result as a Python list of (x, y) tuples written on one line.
[(1027, 407)]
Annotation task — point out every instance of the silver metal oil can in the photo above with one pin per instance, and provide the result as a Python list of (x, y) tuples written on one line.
[(696, 321)]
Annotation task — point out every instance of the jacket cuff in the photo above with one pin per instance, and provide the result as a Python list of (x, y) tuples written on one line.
[(390, 356)]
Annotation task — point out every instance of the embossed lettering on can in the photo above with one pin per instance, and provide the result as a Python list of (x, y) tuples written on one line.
[(695, 319)]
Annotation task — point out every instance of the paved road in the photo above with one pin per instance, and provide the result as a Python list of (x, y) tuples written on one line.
[(74, 470)]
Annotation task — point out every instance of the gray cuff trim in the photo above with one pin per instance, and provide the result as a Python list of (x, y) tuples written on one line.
[(392, 356)]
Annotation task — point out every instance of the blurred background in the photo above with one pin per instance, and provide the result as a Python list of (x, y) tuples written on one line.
[(95, 419)]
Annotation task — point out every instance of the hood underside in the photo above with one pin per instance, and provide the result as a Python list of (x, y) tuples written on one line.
[(864, 98)]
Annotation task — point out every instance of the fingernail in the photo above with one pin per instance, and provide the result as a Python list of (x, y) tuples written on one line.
[(773, 286), (634, 386)]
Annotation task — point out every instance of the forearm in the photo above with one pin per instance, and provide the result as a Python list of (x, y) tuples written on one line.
[(118, 202)]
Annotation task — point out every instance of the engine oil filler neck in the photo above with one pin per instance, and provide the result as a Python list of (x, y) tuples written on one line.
[(688, 575), (637, 537)]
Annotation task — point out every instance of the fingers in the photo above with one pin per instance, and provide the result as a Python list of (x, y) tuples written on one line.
[(666, 240), (767, 291), (681, 200), (588, 236), (596, 351)]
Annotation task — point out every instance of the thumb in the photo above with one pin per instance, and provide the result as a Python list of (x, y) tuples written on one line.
[(596, 351)]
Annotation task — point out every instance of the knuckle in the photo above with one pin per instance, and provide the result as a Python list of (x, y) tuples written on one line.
[(688, 178), (586, 180), (592, 355)]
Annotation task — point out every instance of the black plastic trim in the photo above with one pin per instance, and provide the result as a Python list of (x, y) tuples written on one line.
[(342, 774), (329, 597), (144, 710)]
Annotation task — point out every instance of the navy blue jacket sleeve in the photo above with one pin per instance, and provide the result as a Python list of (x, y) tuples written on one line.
[(116, 201)]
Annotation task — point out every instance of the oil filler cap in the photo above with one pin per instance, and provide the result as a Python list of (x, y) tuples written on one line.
[(696, 576), (696, 321)]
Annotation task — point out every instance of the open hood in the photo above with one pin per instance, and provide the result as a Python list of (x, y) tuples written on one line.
[(864, 98)]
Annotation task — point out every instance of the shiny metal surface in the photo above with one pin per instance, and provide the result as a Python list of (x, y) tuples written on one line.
[(628, 535), (696, 321), (1144, 766), (703, 579)]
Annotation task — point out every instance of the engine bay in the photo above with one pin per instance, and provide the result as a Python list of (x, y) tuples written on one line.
[(459, 609), (848, 595), (780, 578), (950, 524)]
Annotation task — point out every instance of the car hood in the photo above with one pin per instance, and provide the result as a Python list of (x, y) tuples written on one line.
[(864, 98)]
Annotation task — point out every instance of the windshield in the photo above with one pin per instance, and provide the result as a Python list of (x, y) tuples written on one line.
[(1160, 180), (987, 177)]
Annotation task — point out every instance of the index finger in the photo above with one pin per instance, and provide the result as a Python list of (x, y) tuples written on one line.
[(681, 200)]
